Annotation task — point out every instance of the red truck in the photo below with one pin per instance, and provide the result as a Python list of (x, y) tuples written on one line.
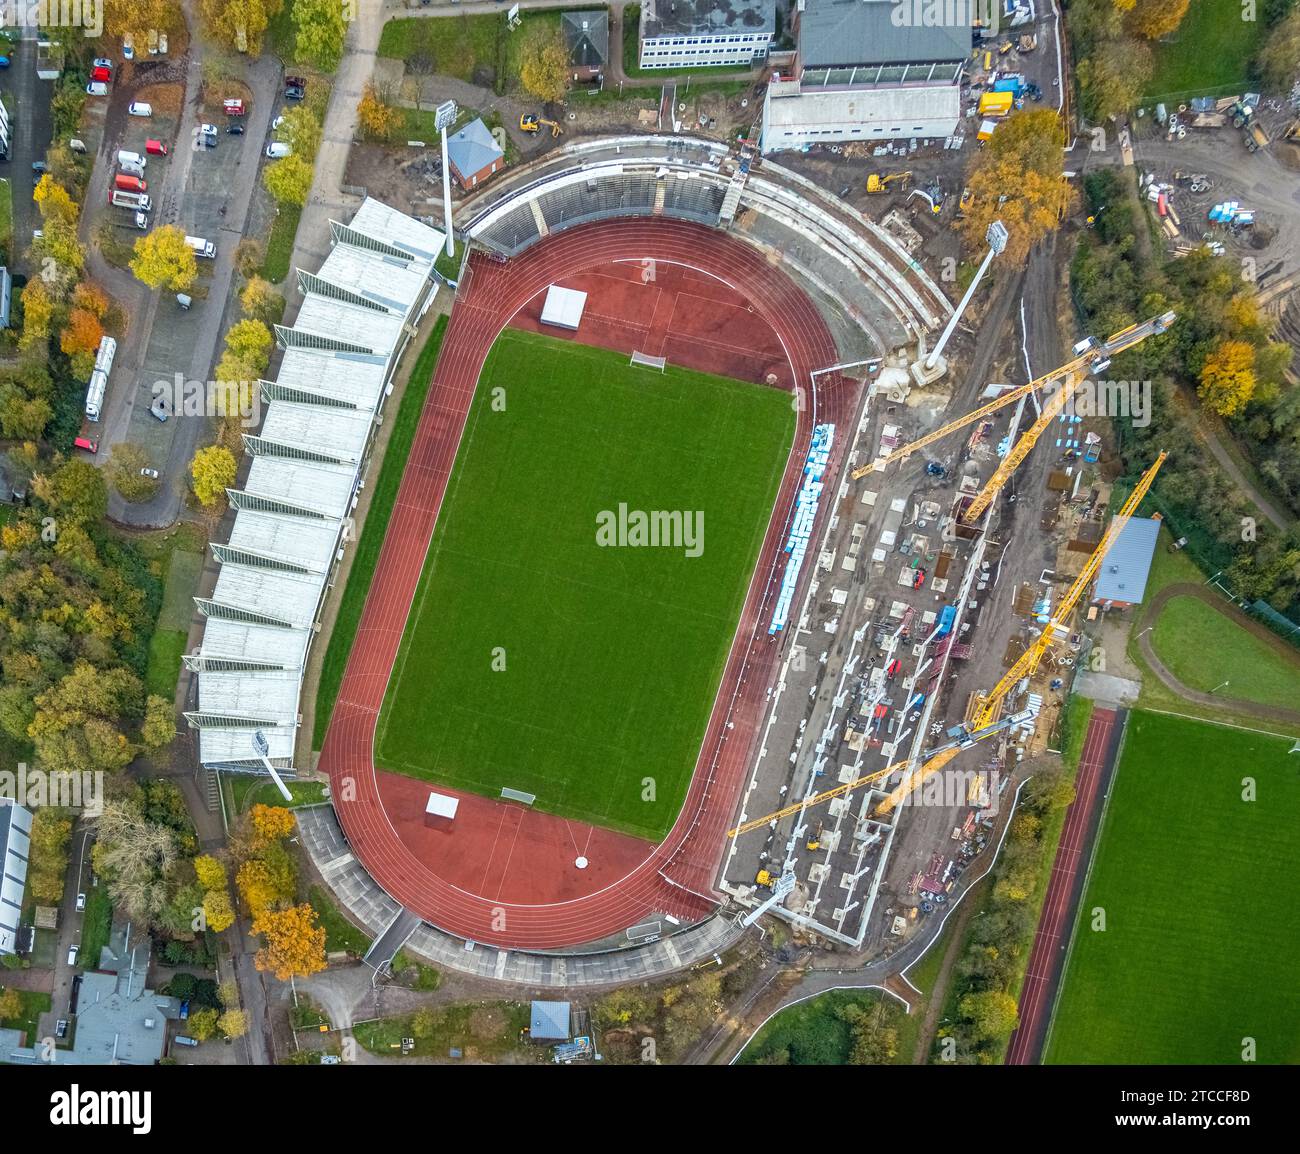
[(128, 183)]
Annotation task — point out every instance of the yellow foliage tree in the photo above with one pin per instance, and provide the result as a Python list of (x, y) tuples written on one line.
[(255, 886), (233, 1024), (38, 315), (1018, 179), (53, 200), (217, 912), (295, 942), (271, 822), (378, 118), (1152, 19), (288, 180), (1228, 378), (544, 64), (210, 872), (239, 25), (213, 470), (164, 260)]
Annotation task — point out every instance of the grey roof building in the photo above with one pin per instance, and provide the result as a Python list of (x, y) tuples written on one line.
[(15, 850), (473, 153), (586, 36), (549, 1022), (701, 17), (1122, 577), (120, 1021), (845, 33)]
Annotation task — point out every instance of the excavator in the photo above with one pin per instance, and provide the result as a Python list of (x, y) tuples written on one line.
[(878, 183), (534, 124), (982, 721)]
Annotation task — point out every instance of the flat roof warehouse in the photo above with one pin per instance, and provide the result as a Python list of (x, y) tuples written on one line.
[(293, 513)]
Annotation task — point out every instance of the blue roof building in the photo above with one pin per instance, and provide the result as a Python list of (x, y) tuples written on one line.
[(1122, 576), (474, 154), (549, 1022)]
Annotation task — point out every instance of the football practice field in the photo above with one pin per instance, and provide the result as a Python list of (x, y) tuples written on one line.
[(553, 648), (1186, 942)]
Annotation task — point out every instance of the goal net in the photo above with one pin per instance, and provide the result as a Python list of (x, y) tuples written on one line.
[(648, 361)]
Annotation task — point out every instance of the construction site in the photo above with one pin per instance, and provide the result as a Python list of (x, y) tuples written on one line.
[(928, 664)]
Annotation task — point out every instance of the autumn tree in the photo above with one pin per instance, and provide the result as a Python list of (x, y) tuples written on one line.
[(210, 872), (544, 63), (250, 340), (38, 315), (295, 942), (378, 118), (80, 341), (74, 493), (319, 29), (1152, 19), (1018, 179), (163, 259), (1228, 378), (301, 130), (256, 887), (217, 911), (202, 1023), (288, 180), (271, 822), (124, 474), (60, 256), (159, 725), (238, 25), (233, 1023), (53, 200), (213, 470), (11, 1004), (991, 1014), (76, 726), (260, 300), (1113, 77), (136, 18), (48, 866)]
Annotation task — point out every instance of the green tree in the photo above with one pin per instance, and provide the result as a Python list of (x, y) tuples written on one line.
[(74, 493), (124, 473), (320, 30), (202, 1023), (992, 1015), (260, 300), (159, 725), (301, 130), (1113, 77), (288, 180)]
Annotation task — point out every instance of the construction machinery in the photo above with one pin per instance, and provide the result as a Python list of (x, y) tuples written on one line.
[(989, 704), (982, 721), (534, 124), (1095, 357), (878, 183)]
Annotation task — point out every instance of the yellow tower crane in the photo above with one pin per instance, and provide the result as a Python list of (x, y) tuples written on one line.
[(989, 704), (983, 722), (1091, 355)]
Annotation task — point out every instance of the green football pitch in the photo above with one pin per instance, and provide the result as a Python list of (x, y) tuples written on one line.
[(1196, 886), (544, 660)]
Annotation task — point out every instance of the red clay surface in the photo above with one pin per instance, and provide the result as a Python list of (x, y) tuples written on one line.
[(503, 874), (670, 311), (1047, 955)]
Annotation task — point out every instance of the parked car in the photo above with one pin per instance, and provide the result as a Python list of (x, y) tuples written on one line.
[(61, 1028), (185, 1010), (96, 88), (81, 902), (152, 474), (72, 954), (279, 120), (278, 150), (155, 148), (104, 74), (295, 87), (162, 43), (153, 41), (102, 62), (232, 107), (128, 47), (39, 169), (159, 407), (139, 108), (4, 61), (234, 129)]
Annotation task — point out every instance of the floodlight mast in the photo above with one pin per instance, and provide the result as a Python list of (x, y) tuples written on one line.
[(262, 748), (444, 118)]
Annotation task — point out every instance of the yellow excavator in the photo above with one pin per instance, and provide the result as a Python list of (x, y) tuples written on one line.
[(534, 124), (878, 183)]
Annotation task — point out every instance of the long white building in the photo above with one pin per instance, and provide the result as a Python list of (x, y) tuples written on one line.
[(293, 513), (706, 33), (865, 70)]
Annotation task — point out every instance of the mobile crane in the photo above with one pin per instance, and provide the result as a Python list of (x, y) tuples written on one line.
[(982, 722), (1091, 355)]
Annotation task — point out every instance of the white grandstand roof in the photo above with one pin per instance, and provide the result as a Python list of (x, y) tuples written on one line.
[(325, 488), (387, 280), (355, 324), (886, 109), (402, 286), (338, 432), (300, 540), (377, 219), (287, 597), (340, 376)]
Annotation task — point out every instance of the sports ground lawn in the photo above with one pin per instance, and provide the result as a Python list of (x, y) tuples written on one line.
[(1203, 649), (612, 655), (1198, 950)]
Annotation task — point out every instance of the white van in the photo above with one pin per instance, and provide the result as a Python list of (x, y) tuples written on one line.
[(201, 247), (124, 157), (278, 151), (96, 88), (131, 168), (139, 108)]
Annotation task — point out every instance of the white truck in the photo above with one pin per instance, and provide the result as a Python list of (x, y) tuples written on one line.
[(202, 247), (123, 199)]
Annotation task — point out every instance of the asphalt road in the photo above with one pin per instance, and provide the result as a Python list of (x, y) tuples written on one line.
[(30, 125)]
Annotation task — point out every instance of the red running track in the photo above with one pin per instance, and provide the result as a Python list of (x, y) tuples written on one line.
[(1047, 955), (677, 876)]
